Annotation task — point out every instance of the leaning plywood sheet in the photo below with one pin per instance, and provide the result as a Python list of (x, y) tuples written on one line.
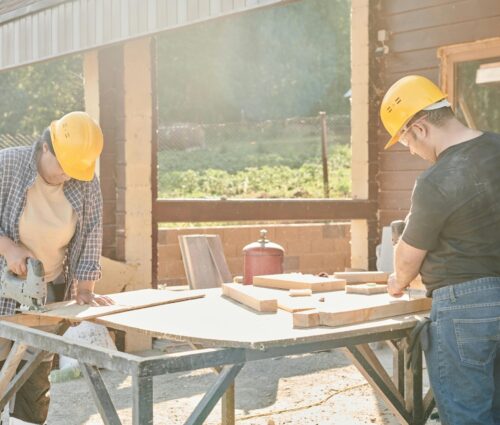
[(342, 309), (246, 294), (299, 281), (125, 301), (362, 277)]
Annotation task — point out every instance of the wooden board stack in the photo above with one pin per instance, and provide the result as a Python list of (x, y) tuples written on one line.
[(346, 309), (300, 281)]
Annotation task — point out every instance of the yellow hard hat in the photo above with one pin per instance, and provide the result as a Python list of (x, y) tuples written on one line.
[(77, 141), (403, 100)]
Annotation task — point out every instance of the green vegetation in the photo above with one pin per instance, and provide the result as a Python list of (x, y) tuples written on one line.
[(292, 169)]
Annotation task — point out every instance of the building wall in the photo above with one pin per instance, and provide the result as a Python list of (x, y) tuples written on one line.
[(416, 30), (309, 248)]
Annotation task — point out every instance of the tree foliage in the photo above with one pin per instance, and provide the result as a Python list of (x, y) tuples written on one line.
[(33, 96), (292, 60)]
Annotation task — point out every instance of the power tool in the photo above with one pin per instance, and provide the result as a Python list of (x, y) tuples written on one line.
[(30, 291)]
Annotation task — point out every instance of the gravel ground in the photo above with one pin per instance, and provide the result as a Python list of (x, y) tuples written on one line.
[(322, 388)]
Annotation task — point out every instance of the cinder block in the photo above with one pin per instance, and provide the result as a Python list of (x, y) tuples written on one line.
[(291, 263), (287, 234), (299, 247), (325, 246), (312, 262), (332, 231)]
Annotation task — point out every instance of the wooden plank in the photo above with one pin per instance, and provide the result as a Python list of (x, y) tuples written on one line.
[(299, 292), (11, 363), (401, 161), (366, 289), (395, 199), (397, 180), (442, 15), (299, 281), (460, 32), (180, 210), (125, 301), (294, 305), (309, 319), (355, 308), (363, 277), (246, 294), (401, 6)]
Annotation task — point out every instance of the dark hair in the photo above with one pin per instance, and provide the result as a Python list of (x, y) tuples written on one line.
[(436, 117), (46, 138)]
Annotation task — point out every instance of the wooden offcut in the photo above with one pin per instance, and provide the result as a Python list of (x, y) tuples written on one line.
[(124, 301), (204, 261), (366, 288), (345, 309), (250, 296), (299, 292), (362, 277), (299, 281)]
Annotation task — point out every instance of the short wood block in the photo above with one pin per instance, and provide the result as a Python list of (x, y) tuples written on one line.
[(249, 296), (366, 288), (362, 277)]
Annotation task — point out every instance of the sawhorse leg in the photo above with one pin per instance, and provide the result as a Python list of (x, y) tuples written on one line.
[(403, 398)]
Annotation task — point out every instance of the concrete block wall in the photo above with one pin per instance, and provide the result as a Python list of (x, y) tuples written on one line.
[(309, 248)]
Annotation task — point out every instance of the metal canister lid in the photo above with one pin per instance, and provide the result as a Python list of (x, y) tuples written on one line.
[(263, 244)]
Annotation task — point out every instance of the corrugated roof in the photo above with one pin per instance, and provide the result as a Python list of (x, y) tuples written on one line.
[(33, 31)]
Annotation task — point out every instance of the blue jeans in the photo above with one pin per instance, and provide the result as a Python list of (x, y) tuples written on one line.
[(463, 354)]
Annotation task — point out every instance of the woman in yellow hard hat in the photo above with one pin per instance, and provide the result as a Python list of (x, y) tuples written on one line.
[(452, 238), (51, 207)]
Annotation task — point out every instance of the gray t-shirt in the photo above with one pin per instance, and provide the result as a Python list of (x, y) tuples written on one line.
[(455, 214)]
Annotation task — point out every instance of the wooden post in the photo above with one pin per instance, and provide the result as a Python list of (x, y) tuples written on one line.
[(324, 154)]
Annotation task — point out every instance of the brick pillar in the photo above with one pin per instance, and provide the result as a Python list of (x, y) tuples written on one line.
[(135, 164), (112, 118)]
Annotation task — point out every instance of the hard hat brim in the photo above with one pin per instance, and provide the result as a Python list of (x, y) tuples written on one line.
[(394, 139)]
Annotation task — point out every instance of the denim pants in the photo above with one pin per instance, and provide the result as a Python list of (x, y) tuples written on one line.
[(463, 353)]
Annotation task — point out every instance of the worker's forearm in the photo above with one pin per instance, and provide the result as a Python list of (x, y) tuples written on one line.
[(406, 268), (85, 286), (6, 244)]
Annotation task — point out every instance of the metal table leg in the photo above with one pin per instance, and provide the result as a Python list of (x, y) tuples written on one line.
[(100, 394), (210, 399)]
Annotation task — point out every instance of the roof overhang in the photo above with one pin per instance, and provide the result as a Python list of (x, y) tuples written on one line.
[(36, 31)]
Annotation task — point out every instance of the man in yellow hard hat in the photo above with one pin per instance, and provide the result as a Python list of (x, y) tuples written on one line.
[(452, 238), (51, 209)]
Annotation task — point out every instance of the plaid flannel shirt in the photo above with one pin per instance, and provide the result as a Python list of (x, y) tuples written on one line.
[(18, 170)]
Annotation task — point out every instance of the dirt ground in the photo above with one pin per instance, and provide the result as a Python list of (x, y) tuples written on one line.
[(314, 389)]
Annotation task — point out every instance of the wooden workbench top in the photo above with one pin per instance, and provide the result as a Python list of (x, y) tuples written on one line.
[(216, 321)]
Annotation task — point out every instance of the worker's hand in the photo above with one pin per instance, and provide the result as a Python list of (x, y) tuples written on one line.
[(84, 296), (393, 288), (16, 258)]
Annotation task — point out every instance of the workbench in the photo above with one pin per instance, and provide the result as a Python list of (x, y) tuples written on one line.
[(224, 335)]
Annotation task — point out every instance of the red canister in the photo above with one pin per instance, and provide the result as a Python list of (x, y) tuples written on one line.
[(262, 257)]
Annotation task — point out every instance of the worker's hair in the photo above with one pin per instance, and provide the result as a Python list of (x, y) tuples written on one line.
[(46, 138), (436, 117)]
